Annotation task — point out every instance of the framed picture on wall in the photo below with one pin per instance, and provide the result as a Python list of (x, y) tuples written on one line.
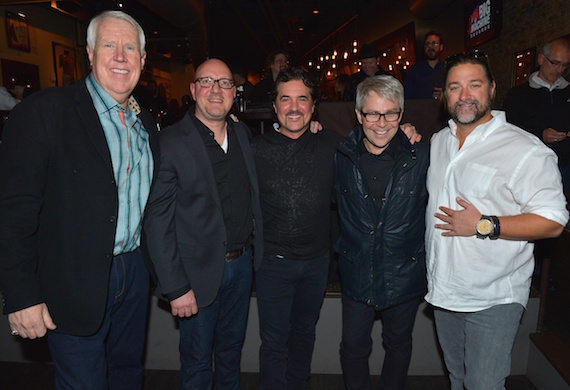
[(65, 64), (17, 32), (524, 63)]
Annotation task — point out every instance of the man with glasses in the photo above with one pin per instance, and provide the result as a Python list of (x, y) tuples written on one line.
[(203, 217), (542, 105), (381, 195), (492, 188), (425, 79)]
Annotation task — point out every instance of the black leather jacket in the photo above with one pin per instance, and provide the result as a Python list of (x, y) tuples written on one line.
[(382, 255)]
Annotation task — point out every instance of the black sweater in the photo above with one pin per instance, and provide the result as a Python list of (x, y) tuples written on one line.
[(295, 180), (537, 109)]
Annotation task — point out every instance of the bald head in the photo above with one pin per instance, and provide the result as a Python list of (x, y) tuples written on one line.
[(212, 103)]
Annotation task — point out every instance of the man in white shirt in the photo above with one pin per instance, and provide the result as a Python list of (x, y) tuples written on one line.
[(492, 188)]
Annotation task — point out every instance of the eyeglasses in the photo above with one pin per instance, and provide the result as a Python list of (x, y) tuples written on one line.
[(208, 82), (373, 117), (432, 43), (556, 64)]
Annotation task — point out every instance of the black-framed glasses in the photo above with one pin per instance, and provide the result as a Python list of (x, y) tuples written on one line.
[(208, 82), (432, 43), (373, 117), (556, 64)]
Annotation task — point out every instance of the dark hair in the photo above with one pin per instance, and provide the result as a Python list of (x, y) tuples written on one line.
[(296, 74), (476, 57), (433, 32)]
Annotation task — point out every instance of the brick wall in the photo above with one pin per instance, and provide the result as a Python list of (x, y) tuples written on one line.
[(526, 24)]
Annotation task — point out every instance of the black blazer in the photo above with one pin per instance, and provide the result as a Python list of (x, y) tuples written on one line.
[(58, 207), (184, 230)]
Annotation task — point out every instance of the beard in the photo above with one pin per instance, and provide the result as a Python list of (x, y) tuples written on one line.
[(468, 117), (431, 54)]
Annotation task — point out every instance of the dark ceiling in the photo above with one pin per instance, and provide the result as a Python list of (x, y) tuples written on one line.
[(238, 31)]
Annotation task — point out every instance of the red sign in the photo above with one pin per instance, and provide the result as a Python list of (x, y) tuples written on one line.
[(483, 20)]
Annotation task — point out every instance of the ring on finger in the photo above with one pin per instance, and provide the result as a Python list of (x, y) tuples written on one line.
[(14, 333)]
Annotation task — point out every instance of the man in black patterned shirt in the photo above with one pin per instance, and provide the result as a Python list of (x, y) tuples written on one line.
[(295, 170)]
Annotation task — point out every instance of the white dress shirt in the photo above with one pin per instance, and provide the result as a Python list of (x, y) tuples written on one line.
[(502, 170)]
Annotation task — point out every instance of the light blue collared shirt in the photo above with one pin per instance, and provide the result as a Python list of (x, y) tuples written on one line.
[(128, 143)]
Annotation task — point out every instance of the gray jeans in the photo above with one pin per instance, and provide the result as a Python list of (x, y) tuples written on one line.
[(477, 345)]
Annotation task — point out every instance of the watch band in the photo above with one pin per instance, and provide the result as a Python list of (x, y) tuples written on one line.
[(496, 227)]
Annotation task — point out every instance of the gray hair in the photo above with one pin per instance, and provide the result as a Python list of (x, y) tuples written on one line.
[(94, 25), (386, 86), (547, 48)]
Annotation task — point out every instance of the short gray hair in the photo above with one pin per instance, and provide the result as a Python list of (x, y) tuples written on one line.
[(94, 25), (547, 48), (386, 86)]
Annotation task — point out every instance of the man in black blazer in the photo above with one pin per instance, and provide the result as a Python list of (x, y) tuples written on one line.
[(76, 165), (203, 217)]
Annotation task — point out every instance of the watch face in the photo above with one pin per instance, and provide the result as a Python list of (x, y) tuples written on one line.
[(484, 227)]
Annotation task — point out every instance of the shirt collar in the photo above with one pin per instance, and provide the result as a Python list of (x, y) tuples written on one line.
[(536, 82), (484, 129), (104, 102)]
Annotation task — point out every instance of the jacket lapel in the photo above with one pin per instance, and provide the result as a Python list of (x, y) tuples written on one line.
[(199, 155), (91, 124)]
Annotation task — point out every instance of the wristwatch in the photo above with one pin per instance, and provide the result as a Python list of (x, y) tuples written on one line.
[(484, 226), (488, 226)]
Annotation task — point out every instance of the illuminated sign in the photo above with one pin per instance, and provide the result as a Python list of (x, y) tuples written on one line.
[(483, 19)]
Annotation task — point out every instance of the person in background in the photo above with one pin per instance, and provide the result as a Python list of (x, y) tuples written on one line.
[(542, 106), (202, 219), (9, 101), (369, 58), (71, 205), (340, 86), (296, 206), (381, 194), (484, 208), (425, 79), (240, 79), (274, 63)]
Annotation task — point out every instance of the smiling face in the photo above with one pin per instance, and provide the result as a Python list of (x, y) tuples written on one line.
[(469, 94), (294, 107), (369, 66), (116, 58), (378, 135), (213, 103)]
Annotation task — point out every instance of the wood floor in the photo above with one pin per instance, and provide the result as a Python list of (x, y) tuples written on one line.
[(40, 376)]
